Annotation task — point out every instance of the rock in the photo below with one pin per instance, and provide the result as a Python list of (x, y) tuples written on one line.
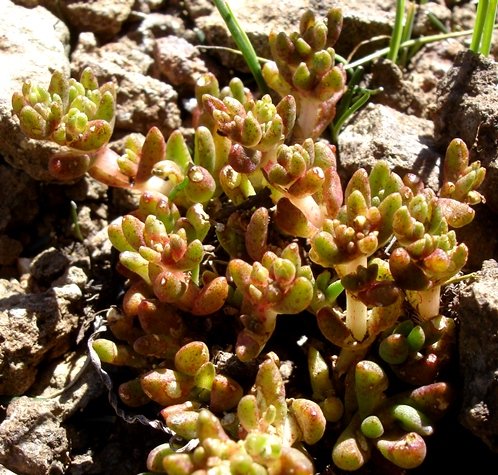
[(33, 43), (18, 198), (103, 17), (381, 133), (34, 328), (87, 189), (428, 67), (73, 275), (91, 219), (32, 440), (33, 436), (397, 92), (256, 18), (197, 8), (478, 344), (110, 59), (466, 108), (424, 24), (19, 206), (142, 101), (179, 61), (48, 265), (158, 25), (5, 471), (71, 380), (147, 6)]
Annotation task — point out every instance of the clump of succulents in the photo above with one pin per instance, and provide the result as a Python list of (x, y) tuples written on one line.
[(249, 225)]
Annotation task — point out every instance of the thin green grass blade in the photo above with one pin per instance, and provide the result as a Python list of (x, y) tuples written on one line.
[(482, 8), (357, 105), (347, 98), (243, 43), (489, 23), (406, 34), (417, 41), (395, 42)]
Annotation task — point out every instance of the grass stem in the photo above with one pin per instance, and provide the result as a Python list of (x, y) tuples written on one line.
[(397, 34), (243, 43)]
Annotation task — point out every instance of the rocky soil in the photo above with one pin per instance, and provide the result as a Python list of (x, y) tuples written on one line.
[(55, 416)]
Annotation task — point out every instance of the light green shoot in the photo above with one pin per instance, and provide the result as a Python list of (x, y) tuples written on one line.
[(76, 224), (333, 291)]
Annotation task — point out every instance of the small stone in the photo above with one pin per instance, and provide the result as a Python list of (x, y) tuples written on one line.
[(34, 327), (32, 439), (379, 132), (48, 265), (103, 17), (179, 61)]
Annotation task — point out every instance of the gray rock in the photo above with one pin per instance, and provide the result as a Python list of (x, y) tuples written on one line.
[(466, 108), (5, 471), (33, 436), (158, 25), (111, 58), (472, 235), (73, 275), (378, 132), (428, 67), (48, 265), (197, 8), (33, 43), (478, 345), (397, 92), (71, 380), (32, 441), (147, 6), (256, 18), (34, 328), (103, 17), (178, 61)]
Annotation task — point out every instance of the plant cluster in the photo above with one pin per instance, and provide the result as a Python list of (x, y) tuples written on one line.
[(250, 222)]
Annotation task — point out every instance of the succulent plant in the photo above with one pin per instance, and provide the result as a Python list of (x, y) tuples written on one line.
[(417, 353), (363, 224), (276, 285), (395, 426), (77, 115), (268, 427), (250, 221), (428, 254), (169, 260), (304, 66)]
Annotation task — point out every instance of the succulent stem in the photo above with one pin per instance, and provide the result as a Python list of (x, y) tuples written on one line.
[(310, 208), (307, 118), (356, 310), (425, 302)]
